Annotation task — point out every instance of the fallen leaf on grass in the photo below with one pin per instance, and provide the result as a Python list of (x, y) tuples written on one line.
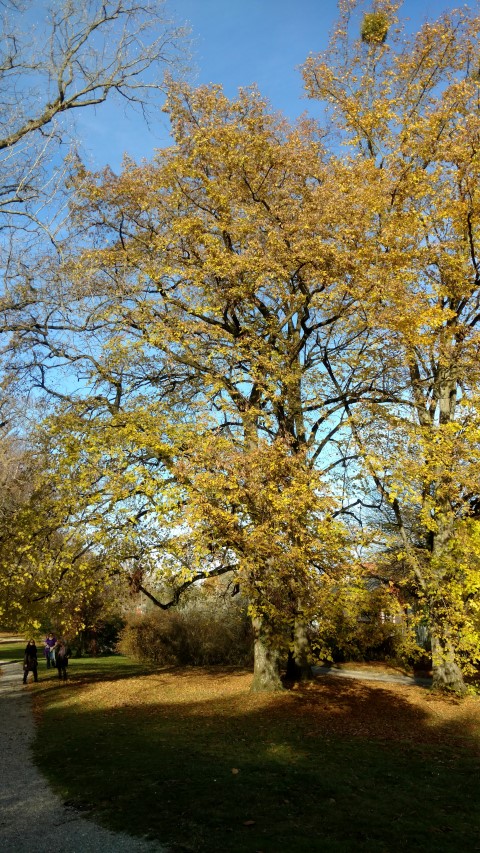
[(248, 822), (235, 770)]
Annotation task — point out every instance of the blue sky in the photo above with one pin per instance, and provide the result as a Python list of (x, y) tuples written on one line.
[(235, 43)]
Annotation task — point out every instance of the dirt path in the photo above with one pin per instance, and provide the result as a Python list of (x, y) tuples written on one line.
[(32, 818)]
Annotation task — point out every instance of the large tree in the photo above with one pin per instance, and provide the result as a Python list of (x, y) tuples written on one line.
[(407, 108), (205, 299)]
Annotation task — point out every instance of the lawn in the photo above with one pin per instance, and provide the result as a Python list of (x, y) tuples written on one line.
[(13, 650), (191, 758)]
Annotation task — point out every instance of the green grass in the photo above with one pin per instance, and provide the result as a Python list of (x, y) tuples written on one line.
[(12, 651), (164, 769)]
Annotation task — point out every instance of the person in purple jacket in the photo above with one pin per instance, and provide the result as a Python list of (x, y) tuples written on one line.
[(49, 649)]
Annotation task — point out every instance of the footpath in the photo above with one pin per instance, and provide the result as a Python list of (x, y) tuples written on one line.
[(33, 819), (374, 675)]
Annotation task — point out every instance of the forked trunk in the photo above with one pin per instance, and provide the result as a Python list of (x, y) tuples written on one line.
[(266, 667)]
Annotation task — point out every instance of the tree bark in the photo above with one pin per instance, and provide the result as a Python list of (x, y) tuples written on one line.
[(298, 665), (266, 669), (447, 675), (446, 672)]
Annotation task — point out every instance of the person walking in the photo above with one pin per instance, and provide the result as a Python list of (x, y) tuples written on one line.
[(30, 661), (62, 654), (49, 649)]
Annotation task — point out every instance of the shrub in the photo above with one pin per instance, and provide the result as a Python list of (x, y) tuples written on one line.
[(205, 631)]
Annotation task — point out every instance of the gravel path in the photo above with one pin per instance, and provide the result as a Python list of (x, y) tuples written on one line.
[(32, 818), (373, 675)]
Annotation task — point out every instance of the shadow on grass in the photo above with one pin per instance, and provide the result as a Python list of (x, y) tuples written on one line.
[(11, 652), (342, 766)]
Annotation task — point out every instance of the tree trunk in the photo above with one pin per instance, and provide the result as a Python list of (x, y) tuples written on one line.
[(266, 669), (447, 675), (298, 664)]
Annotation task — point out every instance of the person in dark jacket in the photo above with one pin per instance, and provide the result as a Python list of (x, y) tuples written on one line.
[(30, 661), (62, 654)]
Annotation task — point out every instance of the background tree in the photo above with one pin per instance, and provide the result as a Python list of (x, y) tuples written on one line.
[(408, 107), (57, 58), (54, 60), (47, 572)]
